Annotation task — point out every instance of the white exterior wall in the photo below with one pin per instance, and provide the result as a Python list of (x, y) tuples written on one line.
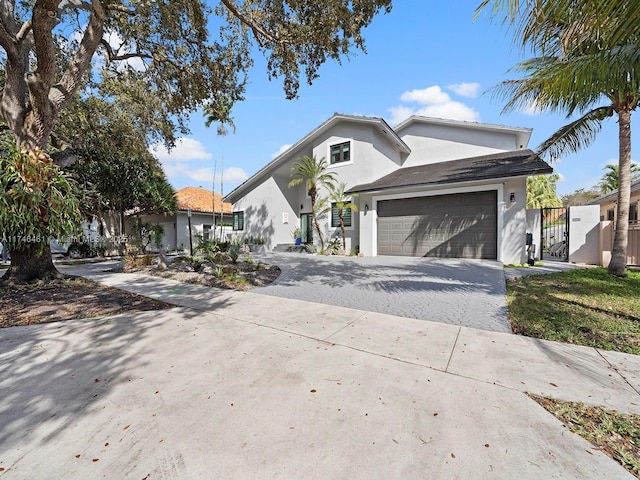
[(271, 210), (371, 158), (438, 143), (368, 224), (198, 220), (512, 245), (534, 226), (584, 234)]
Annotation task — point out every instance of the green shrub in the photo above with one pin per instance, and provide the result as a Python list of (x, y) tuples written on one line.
[(196, 264)]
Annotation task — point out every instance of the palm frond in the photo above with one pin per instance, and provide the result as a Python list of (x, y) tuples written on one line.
[(570, 85), (576, 135)]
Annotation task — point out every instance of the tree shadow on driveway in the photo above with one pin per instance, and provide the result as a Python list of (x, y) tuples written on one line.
[(455, 291)]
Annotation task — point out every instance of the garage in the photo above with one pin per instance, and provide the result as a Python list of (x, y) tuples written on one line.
[(462, 225)]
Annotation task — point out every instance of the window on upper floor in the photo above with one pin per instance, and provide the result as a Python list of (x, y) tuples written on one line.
[(238, 220), (335, 219), (340, 152)]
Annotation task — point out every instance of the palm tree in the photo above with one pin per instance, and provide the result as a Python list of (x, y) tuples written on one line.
[(341, 201), (313, 173), (583, 60), (609, 181), (541, 191)]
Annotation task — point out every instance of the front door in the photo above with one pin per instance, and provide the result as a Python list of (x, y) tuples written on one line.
[(306, 225)]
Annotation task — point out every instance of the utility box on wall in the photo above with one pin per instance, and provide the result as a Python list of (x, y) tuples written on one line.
[(534, 222)]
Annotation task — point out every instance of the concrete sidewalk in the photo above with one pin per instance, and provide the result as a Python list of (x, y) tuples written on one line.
[(241, 385)]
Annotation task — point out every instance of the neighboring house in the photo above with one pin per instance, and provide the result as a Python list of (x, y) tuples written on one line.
[(608, 211), (205, 208), (608, 204), (429, 187)]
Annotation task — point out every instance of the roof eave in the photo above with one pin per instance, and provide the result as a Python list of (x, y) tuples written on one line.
[(522, 133), (238, 192), (635, 186), (449, 182)]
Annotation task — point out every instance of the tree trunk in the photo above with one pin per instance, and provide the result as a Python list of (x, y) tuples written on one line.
[(618, 263), (312, 194), (28, 265)]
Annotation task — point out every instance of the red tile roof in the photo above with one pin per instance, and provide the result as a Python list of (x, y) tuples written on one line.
[(200, 200)]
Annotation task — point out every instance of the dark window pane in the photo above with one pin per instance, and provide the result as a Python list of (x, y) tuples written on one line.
[(238, 220), (340, 152)]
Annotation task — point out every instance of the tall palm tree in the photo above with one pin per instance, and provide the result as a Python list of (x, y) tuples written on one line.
[(313, 174), (342, 203), (583, 60), (609, 181)]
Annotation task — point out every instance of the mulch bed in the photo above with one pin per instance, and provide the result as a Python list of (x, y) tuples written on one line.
[(68, 299)]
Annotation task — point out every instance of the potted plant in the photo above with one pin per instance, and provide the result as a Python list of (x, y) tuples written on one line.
[(297, 235)]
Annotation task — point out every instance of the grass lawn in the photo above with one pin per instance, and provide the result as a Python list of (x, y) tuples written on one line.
[(583, 307)]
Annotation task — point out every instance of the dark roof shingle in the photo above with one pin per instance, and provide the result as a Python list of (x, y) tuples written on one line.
[(497, 165)]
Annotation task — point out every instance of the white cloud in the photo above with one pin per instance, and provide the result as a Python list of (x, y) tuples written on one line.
[(427, 96), (432, 102), (185, 149), (235, 175), (465, 89), (400, 113), (184, 164), (281, 150), (177, 172)]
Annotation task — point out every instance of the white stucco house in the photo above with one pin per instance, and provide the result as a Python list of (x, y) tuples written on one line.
[(428, 187), (201, 208)]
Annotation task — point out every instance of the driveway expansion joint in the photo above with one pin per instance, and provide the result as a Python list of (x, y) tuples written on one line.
[(618, 372), (453, 349)]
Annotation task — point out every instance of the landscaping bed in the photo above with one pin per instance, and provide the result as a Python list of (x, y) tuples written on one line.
[(68, 299), (219, 270), (79, 298)]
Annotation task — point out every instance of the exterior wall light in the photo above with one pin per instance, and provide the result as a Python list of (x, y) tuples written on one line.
[(512, 197), (366, 208)]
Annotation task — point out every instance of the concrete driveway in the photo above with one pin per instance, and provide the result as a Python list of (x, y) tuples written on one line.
[(469, 293)]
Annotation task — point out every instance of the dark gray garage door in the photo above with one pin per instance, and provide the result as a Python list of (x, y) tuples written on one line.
[(462, 225)]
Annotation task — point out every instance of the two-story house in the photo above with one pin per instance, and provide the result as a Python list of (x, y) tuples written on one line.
[(428, 187)]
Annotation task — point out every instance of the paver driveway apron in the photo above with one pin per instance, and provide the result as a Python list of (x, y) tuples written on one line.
[(469, 293)]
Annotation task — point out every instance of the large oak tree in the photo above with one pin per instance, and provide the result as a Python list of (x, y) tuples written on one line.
[(189, 53)]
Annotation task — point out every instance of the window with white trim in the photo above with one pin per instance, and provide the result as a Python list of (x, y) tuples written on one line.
[(206, 233), (340, 152), (238, 220)]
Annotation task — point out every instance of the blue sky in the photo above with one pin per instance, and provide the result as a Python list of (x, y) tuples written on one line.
[(427, 57)]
